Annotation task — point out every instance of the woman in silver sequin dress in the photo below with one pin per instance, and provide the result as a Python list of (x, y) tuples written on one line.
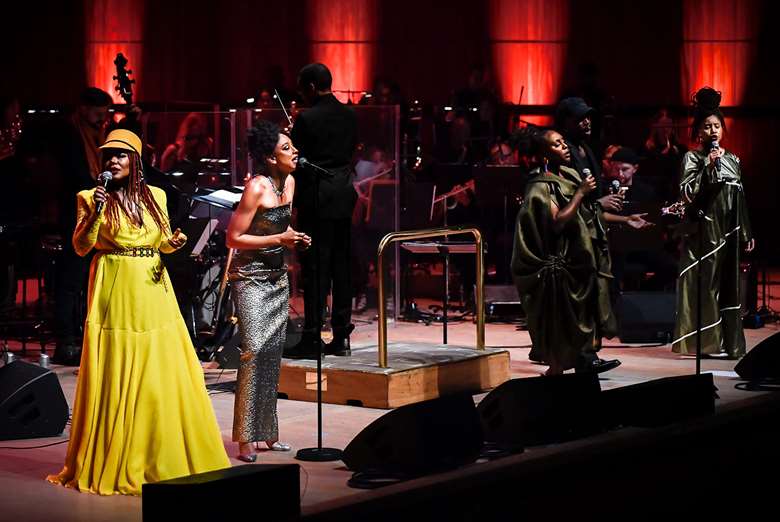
[(260, 231)]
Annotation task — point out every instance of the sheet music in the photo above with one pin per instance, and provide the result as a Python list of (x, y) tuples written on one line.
[(228, 197)]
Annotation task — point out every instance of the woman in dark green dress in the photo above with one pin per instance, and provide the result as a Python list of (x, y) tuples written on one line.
[(711, 189), (554, 264)]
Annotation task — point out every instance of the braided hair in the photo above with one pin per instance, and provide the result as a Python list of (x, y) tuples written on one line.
[(138, 192)]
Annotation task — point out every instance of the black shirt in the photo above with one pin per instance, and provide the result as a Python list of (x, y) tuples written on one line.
[(589, 162), (326, 135)]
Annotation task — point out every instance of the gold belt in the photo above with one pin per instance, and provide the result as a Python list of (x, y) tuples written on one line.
[(134, 252)]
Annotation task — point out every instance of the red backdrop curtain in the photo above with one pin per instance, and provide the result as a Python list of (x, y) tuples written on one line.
[(342, 35), (720, 39), (528, 39), (111, 27)]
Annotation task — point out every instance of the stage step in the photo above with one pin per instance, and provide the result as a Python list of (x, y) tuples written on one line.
[(416, 372)]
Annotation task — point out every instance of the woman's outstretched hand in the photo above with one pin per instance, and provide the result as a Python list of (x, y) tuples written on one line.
[(178, 239), (638, 221)]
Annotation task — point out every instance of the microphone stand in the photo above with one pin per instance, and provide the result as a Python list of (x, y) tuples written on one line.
[(700, 227), (318, 454)]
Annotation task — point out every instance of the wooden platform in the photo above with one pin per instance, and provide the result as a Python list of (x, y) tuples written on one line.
[(416, 372)]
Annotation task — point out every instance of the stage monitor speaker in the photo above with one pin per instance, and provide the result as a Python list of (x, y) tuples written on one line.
[(762, 362), (541, 410), (32, 404), (660, 401), (420, 438), (226, 494), (646, 317), (502, 303), (229, 354)]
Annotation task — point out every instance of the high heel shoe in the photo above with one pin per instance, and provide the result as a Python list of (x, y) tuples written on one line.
[(246, 457), (278, 446)]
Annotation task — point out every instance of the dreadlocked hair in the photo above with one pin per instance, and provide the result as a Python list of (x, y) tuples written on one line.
[(530, 142), (138, 192)]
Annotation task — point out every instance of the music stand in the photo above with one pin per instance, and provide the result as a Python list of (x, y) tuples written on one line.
[(445, 248), (227, 198), (447, 175), (417, 205), (495, 186), (380, 213)]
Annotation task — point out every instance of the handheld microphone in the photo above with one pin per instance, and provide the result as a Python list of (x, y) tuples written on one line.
[(716, 145), (103, 179), (303, 162), (615, 186)]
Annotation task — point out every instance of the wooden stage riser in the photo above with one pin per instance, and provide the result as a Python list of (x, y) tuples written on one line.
[(377, 390)]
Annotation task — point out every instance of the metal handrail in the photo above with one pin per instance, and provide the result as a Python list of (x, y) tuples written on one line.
[(423, 234)]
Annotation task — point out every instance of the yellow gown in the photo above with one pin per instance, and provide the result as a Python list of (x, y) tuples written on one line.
[(141, 412)]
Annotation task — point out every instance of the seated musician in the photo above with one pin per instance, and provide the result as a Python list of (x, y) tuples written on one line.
[(645, 252)]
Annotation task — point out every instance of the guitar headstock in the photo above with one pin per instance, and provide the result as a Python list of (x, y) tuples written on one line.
[(124, 83)]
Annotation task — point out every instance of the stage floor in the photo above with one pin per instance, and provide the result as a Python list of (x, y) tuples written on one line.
[(25, 495)]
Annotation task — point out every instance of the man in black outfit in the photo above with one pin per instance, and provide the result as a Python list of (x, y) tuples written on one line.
[(326, 135), (573, 121), (78, 159)]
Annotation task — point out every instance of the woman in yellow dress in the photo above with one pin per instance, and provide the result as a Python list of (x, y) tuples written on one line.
[(141, 412)]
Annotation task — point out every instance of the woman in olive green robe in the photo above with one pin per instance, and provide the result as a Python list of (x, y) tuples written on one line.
[(711, 188), (553, 261)]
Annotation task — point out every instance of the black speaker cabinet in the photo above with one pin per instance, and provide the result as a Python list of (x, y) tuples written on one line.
[(272, 491), (31, 402), (502, 303), (646, 317), (229, 354), (762, 362), (419, 438), (541, 410), (660, 401)]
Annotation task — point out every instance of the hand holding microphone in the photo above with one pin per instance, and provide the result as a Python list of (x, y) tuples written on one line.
[(612, 202), (715, 154), (101, 195)]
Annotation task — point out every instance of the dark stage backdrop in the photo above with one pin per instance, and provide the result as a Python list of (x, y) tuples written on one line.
[(635, 56), (200, 50)]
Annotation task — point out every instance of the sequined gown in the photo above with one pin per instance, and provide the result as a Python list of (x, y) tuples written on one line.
[(260, 292)]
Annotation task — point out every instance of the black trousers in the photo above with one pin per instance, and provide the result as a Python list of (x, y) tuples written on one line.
[(70, 284), (331, 239)]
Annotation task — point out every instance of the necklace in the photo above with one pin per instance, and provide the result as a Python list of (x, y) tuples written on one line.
[(278, 192)]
